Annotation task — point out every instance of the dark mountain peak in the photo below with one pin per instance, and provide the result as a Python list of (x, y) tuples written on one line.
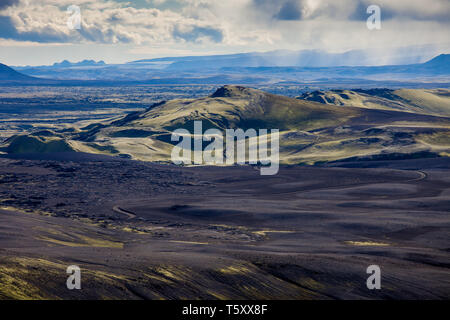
[(229, 91), (64, 63), (7, 73), (440, 60), (3, 67)]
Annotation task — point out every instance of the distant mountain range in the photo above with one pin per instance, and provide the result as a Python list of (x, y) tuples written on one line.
[(248, 69), (84, 63), (282, 58)]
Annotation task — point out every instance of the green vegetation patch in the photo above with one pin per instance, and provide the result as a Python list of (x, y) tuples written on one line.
[(31, 144)]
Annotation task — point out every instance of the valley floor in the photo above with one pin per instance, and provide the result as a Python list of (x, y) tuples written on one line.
[(146, 231)]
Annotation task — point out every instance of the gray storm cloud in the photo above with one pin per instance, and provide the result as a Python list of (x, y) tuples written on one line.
[(438, 10), (328, 25), (6, 3)]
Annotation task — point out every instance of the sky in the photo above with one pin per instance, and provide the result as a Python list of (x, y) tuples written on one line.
[(36, 32)]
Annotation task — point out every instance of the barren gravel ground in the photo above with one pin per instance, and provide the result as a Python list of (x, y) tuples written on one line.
[(148, 231)]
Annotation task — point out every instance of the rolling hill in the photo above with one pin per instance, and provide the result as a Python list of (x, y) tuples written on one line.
[(433, 101), (310, 132)]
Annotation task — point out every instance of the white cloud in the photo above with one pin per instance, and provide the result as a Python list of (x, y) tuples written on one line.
[(224, 25), (102, 22)]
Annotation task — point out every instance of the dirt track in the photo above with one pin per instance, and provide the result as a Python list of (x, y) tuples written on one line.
[(129, 214)]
